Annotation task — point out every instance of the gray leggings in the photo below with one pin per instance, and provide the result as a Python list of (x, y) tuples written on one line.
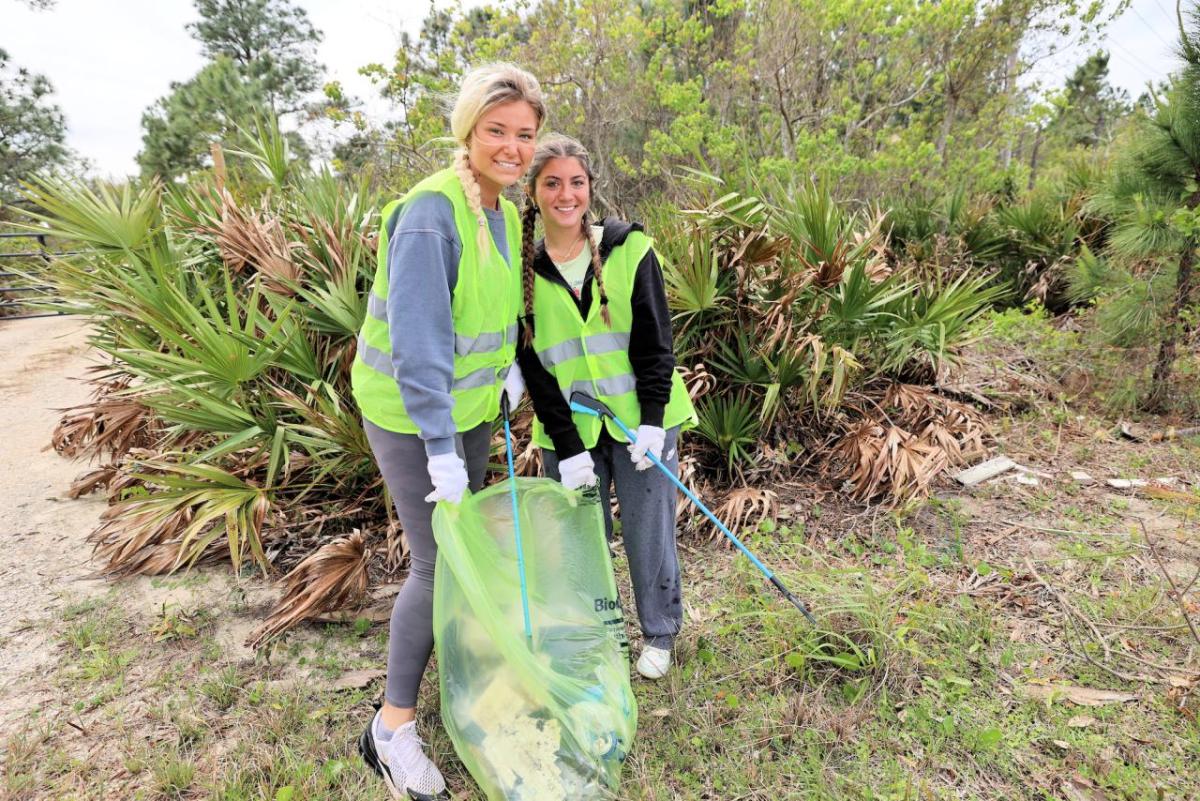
[(402, 461), (648, 531)]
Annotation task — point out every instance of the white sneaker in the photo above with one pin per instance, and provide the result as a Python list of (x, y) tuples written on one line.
[(401, 763), (654, 662)]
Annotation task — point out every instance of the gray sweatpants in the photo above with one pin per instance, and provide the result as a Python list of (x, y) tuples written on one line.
[(402, 461), (647, 529)]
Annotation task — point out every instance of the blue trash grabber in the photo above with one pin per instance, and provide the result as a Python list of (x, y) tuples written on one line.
[(512, 478), (583, 404)]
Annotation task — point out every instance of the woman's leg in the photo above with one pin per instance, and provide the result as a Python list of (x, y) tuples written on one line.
[(402, 461), (647, 501), (390, 745)]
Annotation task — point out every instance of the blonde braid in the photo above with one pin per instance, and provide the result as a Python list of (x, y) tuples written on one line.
[(596, 267), (462, 166), (528, 220)]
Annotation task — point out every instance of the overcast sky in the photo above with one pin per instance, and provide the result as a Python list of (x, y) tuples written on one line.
[(110, 59)]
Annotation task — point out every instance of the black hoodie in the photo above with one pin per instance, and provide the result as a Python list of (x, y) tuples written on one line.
[(650, 343)]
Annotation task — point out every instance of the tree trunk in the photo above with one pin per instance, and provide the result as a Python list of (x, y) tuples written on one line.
[(1010, 72), (1033, 158), (1157, 398), (947, 124)]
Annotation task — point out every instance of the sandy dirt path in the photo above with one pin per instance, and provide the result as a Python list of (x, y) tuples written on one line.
[(43, 554)]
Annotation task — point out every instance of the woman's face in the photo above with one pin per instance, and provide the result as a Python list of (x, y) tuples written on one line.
[(563, 193), (502, 145)]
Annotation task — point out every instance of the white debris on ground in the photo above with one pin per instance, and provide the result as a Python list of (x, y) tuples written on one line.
[(993, 469)]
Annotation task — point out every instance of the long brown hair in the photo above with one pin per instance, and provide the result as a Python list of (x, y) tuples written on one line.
[(555, 146)]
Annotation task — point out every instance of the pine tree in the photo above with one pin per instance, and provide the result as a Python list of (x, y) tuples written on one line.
[(210, 107), (1091, 105), (262, 64), (270, 41), (32, 128), (1153, 195)]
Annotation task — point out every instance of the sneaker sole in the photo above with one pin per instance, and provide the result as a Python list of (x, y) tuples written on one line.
[(366, 747)]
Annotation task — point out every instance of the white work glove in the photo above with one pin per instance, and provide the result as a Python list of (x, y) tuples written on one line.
[(449, 477), (649, 440), (578, 471), (514, 387)]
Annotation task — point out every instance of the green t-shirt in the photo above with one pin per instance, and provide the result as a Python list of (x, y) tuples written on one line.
[(573, 271)]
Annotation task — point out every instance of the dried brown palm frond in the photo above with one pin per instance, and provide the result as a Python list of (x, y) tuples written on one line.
[(130, 541), (745, 506), (165, 558), (149, 549), (250, 239), (698, 380), (777, 319), (910, 399), (886, 460), (829, 271), (528, 460), (395, 544), (193, 505), (329, 245), (110, 424), (911, 436), (89, 482), (331, 578), (689, 475), (915, 462), (872, 240), (956, 428), (754, 246), (527, 457)]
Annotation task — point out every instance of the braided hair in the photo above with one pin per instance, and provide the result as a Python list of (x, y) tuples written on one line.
[(556, 146), (528, 220)]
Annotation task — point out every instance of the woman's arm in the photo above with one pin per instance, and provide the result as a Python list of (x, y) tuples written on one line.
[(651, 350), (422, 262)]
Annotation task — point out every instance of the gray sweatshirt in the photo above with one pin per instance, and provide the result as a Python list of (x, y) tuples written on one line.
[(422, 262)]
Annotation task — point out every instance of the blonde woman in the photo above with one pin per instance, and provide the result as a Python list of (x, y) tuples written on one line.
[(596, 321), (434, 355)]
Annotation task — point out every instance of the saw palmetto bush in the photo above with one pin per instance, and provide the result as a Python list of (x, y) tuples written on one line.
[(1032, 242), (809, 331), (227, 310)]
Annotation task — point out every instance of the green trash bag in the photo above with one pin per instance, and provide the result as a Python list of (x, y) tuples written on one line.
[(553, 722)]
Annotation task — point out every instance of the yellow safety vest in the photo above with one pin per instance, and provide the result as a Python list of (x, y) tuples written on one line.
[(585, 355), (485, 303)]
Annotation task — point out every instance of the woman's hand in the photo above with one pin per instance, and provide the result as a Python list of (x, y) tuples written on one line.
[(649, 440), (449, 477), (578, 471), (514, 387)]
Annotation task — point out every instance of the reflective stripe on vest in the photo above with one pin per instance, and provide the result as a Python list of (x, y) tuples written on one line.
[(604, 387), (484, 343), (574, 348), (381, 361)]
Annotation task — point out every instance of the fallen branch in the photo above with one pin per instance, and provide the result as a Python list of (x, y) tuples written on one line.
[(1069, 609), (1175, 593), (1165, 435)]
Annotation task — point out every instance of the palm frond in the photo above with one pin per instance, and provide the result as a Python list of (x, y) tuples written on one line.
[(186, 508), (111, 220), (330, 578)]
